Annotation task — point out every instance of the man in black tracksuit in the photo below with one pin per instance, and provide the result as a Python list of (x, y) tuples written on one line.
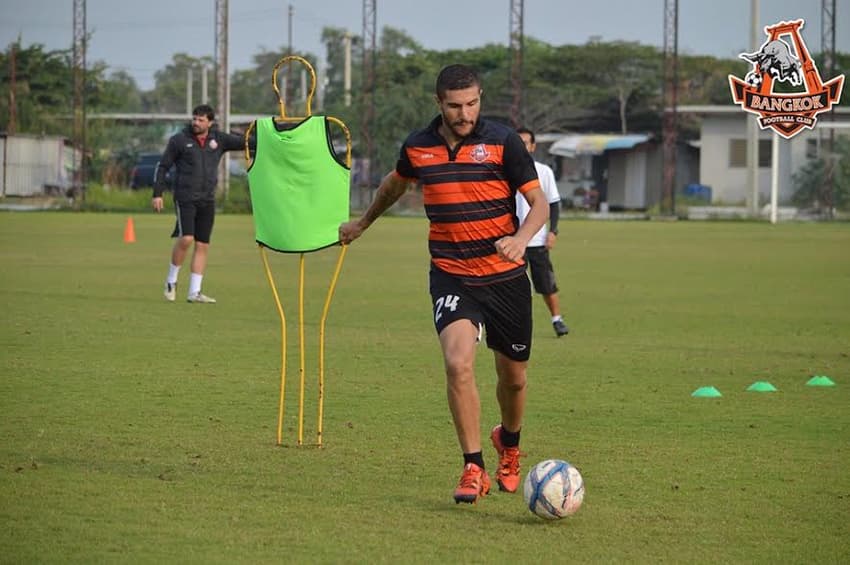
[(195, 153)]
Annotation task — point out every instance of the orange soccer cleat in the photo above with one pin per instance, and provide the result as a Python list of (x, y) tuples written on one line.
[(508, 473), (474, 483)]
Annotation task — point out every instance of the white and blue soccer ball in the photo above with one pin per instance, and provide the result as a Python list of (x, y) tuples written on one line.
[(553, 489)]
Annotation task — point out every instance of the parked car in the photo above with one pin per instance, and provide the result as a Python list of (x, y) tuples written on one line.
[(143, 171)]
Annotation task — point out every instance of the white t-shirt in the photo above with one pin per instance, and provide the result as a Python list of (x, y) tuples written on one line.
[(550, 189)]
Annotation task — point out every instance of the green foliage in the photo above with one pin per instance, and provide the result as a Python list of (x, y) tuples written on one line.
[(139, 431), (99, 198), (170, 92), (810, 186), (252, 91), (43, 89), (238, 199)]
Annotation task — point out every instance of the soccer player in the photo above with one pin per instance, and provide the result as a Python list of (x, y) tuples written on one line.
[(537, 253), (195, 152), (470, 170)]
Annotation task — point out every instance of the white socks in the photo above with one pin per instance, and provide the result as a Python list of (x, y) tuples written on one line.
[(172, 274), (194, 279), (195, 283), (557, 318)]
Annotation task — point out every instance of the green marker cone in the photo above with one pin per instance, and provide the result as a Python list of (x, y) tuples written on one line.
[(706, 392), (761, 386), (820, 380)]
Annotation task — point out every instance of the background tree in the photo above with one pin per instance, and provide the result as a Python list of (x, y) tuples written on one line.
[(251, 90), (627, 74), (43, 93), (169, 93), (809, 181)]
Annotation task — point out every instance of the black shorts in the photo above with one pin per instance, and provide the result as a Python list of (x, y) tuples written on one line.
[(504, 309), (194, 218), (542, 273)]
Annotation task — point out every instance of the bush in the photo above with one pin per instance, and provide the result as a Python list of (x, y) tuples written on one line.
[(99, 198), (809, 181)]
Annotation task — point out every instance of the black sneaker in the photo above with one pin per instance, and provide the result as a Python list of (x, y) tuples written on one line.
[(560, 328)]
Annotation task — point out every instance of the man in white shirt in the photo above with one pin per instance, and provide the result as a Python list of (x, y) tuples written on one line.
[(537, 251)]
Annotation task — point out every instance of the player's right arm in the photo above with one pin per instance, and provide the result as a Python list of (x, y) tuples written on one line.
[(165, 163), (391, 188)]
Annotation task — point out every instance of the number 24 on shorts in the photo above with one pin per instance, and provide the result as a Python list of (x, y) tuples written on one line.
[(448, 301)]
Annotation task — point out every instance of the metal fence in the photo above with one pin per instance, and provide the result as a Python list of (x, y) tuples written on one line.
[(35, 165)]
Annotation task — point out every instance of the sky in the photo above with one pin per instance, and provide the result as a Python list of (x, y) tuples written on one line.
[(142, 37)]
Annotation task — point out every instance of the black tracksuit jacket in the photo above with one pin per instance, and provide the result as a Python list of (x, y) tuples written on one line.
[(196, 167)]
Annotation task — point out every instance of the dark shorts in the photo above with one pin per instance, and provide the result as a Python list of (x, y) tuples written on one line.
[(504, 309), (542, 273), (195, 219)]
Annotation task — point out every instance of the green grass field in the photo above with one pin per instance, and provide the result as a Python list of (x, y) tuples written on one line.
[(134, 430)]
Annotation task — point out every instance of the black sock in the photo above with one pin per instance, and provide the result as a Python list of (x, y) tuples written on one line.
[(476, 458), (509, 439)]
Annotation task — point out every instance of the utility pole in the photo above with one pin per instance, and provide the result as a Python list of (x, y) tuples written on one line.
[(670, 122), (13, 106), (369, 63), (752, 124), (205, 97), (189, 81), (290, 82), (346, 78), (79, 138), (517, 47), (828, 47), (223, 79)]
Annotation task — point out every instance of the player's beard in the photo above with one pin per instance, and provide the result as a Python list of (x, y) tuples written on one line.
[(461, 128)]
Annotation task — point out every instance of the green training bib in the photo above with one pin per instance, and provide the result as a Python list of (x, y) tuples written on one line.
[(299, 190)]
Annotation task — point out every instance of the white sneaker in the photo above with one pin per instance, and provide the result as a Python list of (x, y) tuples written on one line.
[(170, 291), (200, 298)]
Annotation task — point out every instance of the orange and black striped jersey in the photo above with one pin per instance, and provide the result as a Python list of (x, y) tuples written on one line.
[(469, 195)]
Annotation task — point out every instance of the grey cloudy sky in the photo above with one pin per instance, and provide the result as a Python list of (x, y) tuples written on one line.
[(142, 36)]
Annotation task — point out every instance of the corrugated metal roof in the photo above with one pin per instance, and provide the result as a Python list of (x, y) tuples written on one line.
[(594, 144)]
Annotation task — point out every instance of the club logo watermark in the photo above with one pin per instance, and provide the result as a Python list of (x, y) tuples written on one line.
[(479, 153), (778, 62)]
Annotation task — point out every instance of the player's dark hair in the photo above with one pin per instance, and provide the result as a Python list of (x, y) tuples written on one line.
[(456, 77), (526, 131), (204, 110)]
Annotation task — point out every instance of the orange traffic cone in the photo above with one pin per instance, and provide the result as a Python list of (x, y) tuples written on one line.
[(129, 232)]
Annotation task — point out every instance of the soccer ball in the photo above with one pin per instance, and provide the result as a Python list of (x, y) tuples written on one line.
[(753, 79), (553, 489)]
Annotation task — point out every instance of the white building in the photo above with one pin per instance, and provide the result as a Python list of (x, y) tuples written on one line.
[(723, 152)]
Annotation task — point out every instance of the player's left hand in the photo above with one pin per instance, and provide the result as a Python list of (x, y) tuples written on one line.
[(510, 249), (349, 231), (551, 238)]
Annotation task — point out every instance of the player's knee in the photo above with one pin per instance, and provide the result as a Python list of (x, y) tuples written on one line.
[(515, 385), (459, 370)]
